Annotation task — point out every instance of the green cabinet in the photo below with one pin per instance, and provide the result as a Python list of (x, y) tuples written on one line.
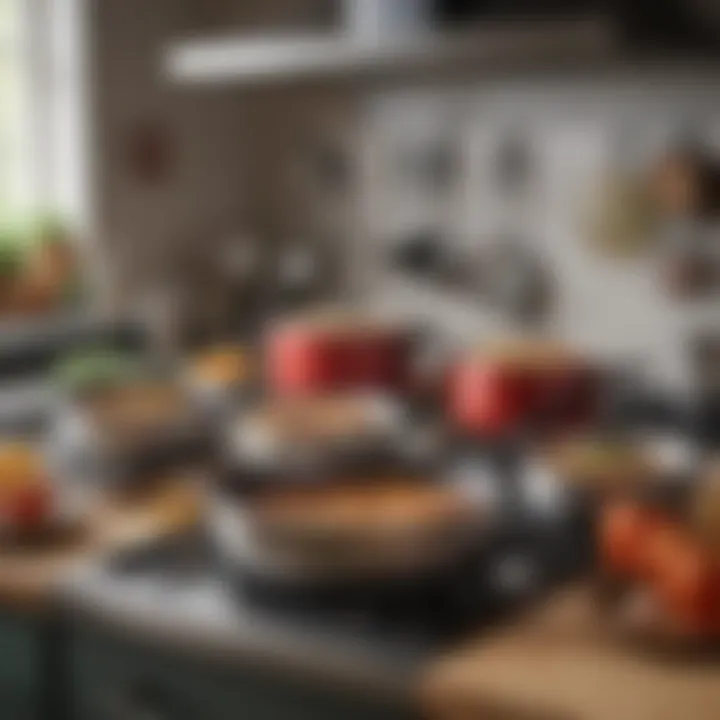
[(32, 680)]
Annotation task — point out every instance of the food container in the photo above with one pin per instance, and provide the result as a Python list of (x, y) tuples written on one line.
[(312, 439), (512, 387), (671, 551), (333, 352), (221, 379), (601, 466), (30, 502), (661, 554), (126, 432)]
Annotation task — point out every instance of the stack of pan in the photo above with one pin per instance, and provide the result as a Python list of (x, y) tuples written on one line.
[(125, 433), (329, 486), (332, 496)]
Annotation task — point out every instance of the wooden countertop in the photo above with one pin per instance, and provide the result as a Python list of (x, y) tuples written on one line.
[(30, 573), (564, 663)]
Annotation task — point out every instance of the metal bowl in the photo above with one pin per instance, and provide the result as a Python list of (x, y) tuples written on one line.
[(386, 438)]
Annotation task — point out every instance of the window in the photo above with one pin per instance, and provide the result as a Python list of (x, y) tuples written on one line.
[(15, 160), (40, 107)]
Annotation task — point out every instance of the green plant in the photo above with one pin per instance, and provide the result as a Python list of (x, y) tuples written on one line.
[(49, 227), (93, 369), (11, 251)]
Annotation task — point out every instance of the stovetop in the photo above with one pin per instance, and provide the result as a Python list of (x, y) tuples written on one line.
[(175, 590)]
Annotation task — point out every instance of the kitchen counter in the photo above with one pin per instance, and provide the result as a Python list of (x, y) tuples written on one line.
[(30, 574), (190, 612), (197, 645), (34, 664), (563, 663), (176, 645), (559, 663)]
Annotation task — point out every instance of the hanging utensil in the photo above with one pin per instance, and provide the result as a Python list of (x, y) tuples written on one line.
[(623, 216), (513, 276)]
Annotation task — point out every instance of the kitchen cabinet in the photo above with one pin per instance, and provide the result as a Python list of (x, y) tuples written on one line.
[(116, 678), (33, 660), (23, 642), (158, 633)]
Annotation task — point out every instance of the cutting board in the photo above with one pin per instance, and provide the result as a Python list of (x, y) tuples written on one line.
[(30, 572), (565, 662)]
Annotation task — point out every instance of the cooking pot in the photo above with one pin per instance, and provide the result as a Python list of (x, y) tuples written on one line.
[(506, 389), (331, 352)]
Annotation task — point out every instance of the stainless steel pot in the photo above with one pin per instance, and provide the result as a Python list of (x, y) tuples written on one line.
[(384, 437)]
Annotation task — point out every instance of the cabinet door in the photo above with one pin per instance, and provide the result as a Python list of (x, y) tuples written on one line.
[(117, 681), (20, 667)]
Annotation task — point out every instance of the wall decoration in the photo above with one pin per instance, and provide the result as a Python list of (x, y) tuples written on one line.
[(623, 216), (622, 220), (151, 153), (685, 181)]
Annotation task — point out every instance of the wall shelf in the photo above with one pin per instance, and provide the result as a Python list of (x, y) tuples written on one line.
[(262, 60)]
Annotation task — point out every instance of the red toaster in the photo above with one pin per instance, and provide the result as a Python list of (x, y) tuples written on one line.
[(319, 355)]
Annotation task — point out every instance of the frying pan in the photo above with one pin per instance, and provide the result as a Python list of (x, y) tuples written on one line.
[(301, 554)]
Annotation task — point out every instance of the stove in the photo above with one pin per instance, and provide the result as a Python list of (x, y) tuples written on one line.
[(172, 598), (178, 588), (181, 579)]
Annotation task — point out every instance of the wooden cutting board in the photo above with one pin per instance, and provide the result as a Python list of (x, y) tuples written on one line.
[(30, 572), (565, 663)]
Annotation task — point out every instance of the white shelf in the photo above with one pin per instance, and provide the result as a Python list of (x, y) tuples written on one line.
[(249, 61)]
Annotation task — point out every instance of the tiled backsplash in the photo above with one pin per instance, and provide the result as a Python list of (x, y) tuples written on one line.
[(578, 131)]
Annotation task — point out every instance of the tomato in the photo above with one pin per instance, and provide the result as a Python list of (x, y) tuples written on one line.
[(26, 508), (685, 578), (624, 530)]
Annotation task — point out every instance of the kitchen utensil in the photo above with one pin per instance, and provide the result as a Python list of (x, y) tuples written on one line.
[(623, 220), (686, 180), (221, 378), (30, 502), (313, 439), (513, 276), (348, 534), (518, 386), (515, 281), (125, 433)]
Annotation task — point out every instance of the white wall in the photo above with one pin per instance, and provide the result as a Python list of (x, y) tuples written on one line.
[(604, 305), (234, 149), (236, 153), (140, 224)]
